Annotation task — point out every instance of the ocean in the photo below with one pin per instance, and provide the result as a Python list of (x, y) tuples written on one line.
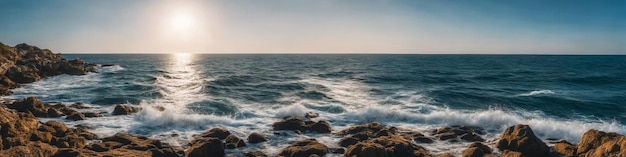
[(559, 96)]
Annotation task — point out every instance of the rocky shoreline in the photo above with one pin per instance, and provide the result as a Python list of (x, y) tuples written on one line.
[(22, 133)]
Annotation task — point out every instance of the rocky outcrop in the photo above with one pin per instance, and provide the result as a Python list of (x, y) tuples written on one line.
[(521, 138), (299, 125), (565, 148), (599, 143), (376, 140), (125, 110), (477, 149), (25, 64), (307, 147)]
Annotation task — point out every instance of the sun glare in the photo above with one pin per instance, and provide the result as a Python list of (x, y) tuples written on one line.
[(181, 21)]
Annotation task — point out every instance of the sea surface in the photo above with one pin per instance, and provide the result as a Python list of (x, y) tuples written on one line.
[(559, 96)]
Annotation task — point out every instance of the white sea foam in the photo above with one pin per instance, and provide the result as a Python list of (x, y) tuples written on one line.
[(537, 92), (112, 68)]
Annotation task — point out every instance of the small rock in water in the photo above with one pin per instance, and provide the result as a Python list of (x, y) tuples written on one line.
[(256, 138), (125, 109), (310, 115), (76, 117)]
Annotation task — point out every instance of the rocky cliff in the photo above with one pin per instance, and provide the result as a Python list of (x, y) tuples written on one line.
[(26, 63)]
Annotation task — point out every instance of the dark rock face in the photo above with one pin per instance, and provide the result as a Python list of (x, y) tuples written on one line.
[(25, 64), (256, 138), (520, 138), (307, 147), (76, 116), (255, 154), (125, 110)]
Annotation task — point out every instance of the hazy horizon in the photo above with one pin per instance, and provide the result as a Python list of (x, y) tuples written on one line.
[(317, 27)]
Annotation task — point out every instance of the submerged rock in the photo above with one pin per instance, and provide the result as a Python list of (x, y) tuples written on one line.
[(521, 138), (298, 125)]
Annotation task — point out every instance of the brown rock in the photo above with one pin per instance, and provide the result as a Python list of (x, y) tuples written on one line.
[(206, 147), (520, 138), (33, 149), (53, 113), (508, 153), (32, 105), (565, 148), (233, 141), (16, 128), (54, 127), (476, 150), (71, 152), (79, 105), (348, 141), (125, 109), (92, 114), (399, 146), (599, 143), (370, 128), (256, 138), (305, 147), (45, 137), (70, 141)]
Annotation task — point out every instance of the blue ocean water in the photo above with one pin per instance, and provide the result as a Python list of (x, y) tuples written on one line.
[(560, 96)]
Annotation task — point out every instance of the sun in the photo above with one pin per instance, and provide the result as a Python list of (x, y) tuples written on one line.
[(181, 21)]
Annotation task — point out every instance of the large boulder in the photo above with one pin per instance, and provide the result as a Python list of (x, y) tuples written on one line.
[(306, 147), (476, 149), (400, 146), (599, 143), (366, 149), (206, 147), (216, 133), (521, 138), (125, 109)]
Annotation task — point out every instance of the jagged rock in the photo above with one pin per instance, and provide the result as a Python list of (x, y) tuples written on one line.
[(599, 143), (256, 138), (370, 128), (565, 148), (466, 133), (206, 147), (16, 128), (125, 109), (306, 147), (53, 113), (520, 138), (233, 141), (32, 105)]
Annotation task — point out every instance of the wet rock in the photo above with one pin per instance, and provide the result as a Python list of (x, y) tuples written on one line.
[(423, 139), (76, 116), (369, 129), (472, 137), (215, 132), (16, 128), (520, 138), (206, 147), (337, 150), (255, 154), (256, 138), (70, 152), (69, 141), (159, 108), (508, 153), (599, 143), (311, 115), (297, 124), (45, 137), (565, 148), (233, 141), (125, 110), (305, 147)]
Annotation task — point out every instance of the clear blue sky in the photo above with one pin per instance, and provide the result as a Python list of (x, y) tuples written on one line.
[(318, 26)]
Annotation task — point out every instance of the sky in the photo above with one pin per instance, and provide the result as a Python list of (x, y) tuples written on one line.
[(317, 26)]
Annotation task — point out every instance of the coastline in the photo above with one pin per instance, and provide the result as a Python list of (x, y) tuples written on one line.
[(23, 135)]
